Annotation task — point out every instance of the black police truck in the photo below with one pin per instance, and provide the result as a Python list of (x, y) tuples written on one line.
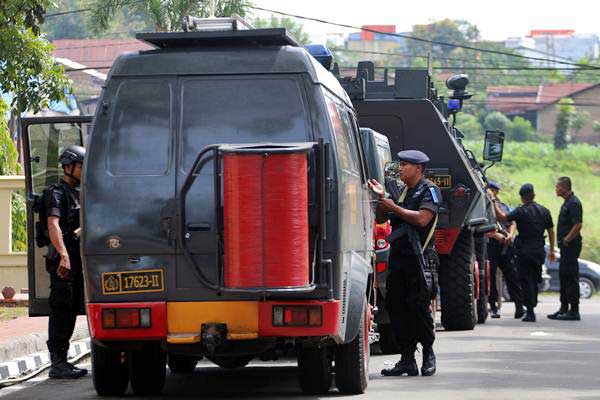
[(225, 212), (409, 111)]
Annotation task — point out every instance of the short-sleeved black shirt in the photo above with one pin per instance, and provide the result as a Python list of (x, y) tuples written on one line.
[(571, 213), (57, 201), (424, 196), (532, 220)]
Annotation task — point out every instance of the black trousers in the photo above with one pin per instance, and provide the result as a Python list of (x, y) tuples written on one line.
[(529, 265), (408, 302), (66, 301), (503, 259), (568, 272)]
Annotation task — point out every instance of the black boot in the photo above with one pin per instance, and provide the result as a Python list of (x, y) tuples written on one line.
[(519, 311), (407, 365), (564, 308), (429, 365), (571, 315), (495, 313), (60, 369), (529, 316), (81, 371)]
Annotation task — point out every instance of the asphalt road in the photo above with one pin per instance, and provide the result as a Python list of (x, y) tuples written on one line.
[(503, 359)]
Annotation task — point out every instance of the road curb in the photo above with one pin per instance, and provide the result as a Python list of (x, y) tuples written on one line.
[(23, 366)]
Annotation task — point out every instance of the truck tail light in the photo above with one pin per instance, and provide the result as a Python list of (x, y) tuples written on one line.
[(123, 318), (297, 315), (382, 267)]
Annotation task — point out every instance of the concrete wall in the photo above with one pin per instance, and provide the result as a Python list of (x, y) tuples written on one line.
[(13, 266), (546, 118)]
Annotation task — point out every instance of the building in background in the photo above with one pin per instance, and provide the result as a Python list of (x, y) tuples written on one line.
[(559, 44)]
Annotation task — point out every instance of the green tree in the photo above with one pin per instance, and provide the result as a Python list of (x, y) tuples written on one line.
[(596, 126), (564, 114), (166, 15), (520, 130), (294, 27), (446, 30), (578, 121), (496, 121), (27, 70), (469, 126)]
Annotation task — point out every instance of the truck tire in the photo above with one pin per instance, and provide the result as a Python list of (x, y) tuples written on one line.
[(387, 339), (315, 371), (457, 285), (352, 359), (481, 256), (110, 372), (148, 369), (179, 364)]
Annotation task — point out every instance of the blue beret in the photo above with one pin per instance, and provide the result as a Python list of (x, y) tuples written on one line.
[(413, 157), (493, 185), (526, 189)]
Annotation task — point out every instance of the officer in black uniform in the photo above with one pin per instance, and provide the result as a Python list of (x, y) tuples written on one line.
[(532, 220), (63, 262), (568, 233), (501, 255), (410, 287)]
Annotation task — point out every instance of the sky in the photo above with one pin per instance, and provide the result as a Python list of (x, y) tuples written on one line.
[(496, 19)]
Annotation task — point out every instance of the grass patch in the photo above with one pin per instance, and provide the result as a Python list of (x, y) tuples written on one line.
[(10, 313), (540, 164)]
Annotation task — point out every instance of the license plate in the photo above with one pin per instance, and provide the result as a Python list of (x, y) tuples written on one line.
[(442, 181), (150, 280)]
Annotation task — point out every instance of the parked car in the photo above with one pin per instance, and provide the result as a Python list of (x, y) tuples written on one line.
[(589, 276)]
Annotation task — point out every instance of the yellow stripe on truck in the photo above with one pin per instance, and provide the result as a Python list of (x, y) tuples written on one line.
[(185, 319)]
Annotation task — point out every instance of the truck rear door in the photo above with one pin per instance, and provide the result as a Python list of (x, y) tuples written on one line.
[(44, 139)]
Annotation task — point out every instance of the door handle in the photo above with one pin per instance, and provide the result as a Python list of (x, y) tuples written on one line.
[(198, 226)]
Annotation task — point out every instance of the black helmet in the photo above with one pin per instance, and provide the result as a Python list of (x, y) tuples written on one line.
[(72, 154)]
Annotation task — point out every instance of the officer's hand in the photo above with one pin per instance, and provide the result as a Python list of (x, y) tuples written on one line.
[(64, 267), (551, 255), (386, 205), (509, 238), (490, 193), (377, 188)]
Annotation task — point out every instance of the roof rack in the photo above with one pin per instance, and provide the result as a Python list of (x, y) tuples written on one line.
[(233, 23)]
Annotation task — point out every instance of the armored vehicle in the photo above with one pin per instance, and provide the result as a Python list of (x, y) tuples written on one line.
[(409, 111), (225, 212)]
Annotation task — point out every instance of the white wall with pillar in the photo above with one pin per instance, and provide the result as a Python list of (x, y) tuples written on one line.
[(13, 265)]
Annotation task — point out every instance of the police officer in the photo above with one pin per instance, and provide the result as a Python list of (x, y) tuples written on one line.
[(501, 255), (568, 232), (532, 220), (409, 284), (63, 262)]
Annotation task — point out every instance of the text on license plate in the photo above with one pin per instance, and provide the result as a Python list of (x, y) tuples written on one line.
[(441, 181), (150, 280)]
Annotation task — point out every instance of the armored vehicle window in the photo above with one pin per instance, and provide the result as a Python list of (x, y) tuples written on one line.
[(140, 132), (344, 139), (241, 110)]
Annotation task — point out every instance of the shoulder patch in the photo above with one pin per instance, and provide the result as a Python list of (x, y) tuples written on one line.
[(434, 195)]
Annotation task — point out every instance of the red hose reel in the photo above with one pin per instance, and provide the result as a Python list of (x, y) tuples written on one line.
[(266, 238)]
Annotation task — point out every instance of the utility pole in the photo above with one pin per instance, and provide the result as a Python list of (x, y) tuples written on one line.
[(211, 8)]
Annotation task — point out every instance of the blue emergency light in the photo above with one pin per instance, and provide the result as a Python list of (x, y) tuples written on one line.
[(453, 105), (321, 53)]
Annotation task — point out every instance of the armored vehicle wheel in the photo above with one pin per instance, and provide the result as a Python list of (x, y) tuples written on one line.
[(148, 369), (352, 360), (315, 372), (110, 371), (179, 364), (482, 300), (457, 286), (232, 362), (387, 339)]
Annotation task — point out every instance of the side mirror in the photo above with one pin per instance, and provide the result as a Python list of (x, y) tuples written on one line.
[(493, 146)]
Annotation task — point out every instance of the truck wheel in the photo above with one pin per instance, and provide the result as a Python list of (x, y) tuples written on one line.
[(232, 362), (481, 256), (110, 371), (352, 360), (179, 364), (148, 369), (457, 285), (387, 339), (315, 370)]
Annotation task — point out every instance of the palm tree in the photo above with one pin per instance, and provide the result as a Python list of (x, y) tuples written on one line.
[(165, 14)]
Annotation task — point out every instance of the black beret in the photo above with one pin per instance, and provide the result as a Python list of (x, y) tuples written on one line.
[(526, 190), (493, 185), (413, 157)]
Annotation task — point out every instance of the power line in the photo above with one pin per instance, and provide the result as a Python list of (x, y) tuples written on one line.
[(56, 14), (437, 42)]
